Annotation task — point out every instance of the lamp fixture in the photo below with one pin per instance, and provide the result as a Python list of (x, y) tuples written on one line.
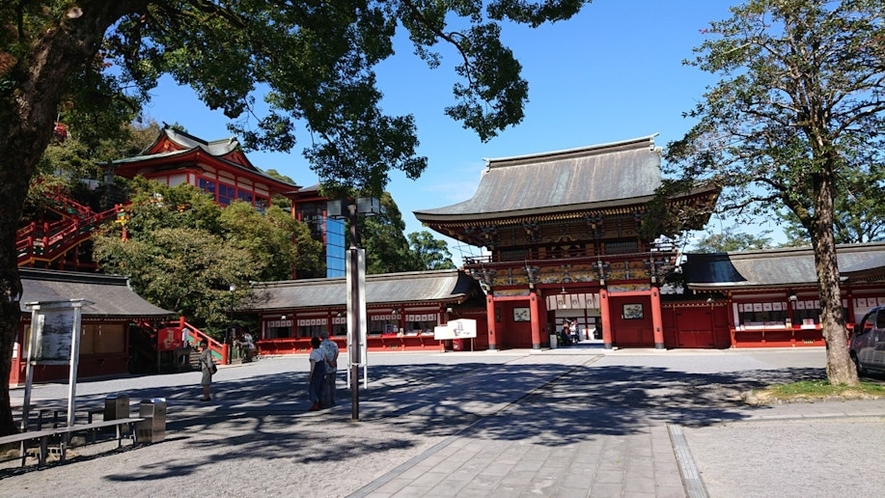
[(793, 297)]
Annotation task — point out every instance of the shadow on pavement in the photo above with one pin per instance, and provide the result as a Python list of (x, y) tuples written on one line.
[(553, 404)]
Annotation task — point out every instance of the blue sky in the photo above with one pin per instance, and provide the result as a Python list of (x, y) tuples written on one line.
[(613, 72)]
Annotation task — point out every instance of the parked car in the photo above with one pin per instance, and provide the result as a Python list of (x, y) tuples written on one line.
[(867, 343)]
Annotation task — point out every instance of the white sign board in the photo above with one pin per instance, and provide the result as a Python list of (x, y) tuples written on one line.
[(462, 328)]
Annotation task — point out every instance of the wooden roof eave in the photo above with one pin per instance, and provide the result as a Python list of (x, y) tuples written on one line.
[(550, 213), (197, 155)]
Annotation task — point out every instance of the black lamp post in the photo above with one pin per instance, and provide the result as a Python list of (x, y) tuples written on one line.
[(351, 209)]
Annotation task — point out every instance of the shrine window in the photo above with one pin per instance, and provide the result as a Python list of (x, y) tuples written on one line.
[(421, 324), (261, 203), (207, 186), (226, 194), (244, 195), (806, 313), (514, 254), (763, 314), (311, 327), (384, 324), (622, 247)]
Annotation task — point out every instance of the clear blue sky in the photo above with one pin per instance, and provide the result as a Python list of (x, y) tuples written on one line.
[(613, 72)]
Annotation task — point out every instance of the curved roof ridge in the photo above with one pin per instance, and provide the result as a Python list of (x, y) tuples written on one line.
[(628, 144)]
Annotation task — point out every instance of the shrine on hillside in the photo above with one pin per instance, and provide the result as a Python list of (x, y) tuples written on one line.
[(221, 169), (562, 232)]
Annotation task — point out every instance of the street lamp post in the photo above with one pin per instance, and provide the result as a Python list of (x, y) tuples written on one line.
[(351, 209), (230, 322)]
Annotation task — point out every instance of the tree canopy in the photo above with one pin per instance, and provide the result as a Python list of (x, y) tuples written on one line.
[(859, 210), (310, 64), (183, 252), (432, 253), (797, 116), (390, 250), (730, 241)]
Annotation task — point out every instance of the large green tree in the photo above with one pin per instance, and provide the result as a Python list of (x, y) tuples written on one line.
[(311, 60), (799, 108), (432, 253), (859, 210), (184, 253), (728, 240), (387, 250)]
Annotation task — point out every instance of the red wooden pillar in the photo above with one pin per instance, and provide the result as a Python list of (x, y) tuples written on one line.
[(490, 315), (536, 319), (656, 320), (606, 318)]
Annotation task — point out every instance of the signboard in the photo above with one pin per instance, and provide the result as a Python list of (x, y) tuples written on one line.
[(53, 337), (462, 328)]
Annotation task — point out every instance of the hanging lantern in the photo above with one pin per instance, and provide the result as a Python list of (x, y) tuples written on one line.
[(60, 131)]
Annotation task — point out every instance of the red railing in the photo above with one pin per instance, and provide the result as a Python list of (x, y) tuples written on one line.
[(48, 241), (186, 333)]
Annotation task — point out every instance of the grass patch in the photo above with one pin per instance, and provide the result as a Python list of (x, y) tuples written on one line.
[(815, 390)]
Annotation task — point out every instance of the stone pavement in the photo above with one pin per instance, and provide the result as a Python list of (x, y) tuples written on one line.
[(575, 421)]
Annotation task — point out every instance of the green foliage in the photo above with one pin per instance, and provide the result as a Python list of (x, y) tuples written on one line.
[(729, 241), (230, 53), (65, 163), (795, 121), (810, 390), (279, 242), (432, 253), (184, 252), (859, 210), (185, 270), (796, 110), (387, 250)]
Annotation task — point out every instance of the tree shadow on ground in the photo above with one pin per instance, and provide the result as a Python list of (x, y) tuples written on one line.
[(553, 404)]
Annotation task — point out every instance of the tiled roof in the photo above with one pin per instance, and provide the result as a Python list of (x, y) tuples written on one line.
[(215, 147), (407, 287), (619, 173), (220, 150), (775, 267), (110, 294)]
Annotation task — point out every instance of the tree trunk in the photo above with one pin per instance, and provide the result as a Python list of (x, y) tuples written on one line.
[(27, 114), (840, 368)]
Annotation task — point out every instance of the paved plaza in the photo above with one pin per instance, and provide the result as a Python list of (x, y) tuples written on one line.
[(577, 421)]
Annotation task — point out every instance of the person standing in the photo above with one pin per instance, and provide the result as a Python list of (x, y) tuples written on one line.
[(317, 377), (330, 348), (208, 368)]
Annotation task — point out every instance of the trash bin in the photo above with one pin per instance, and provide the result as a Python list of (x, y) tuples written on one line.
[(153, 428), (553, 340), (116, 406)]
